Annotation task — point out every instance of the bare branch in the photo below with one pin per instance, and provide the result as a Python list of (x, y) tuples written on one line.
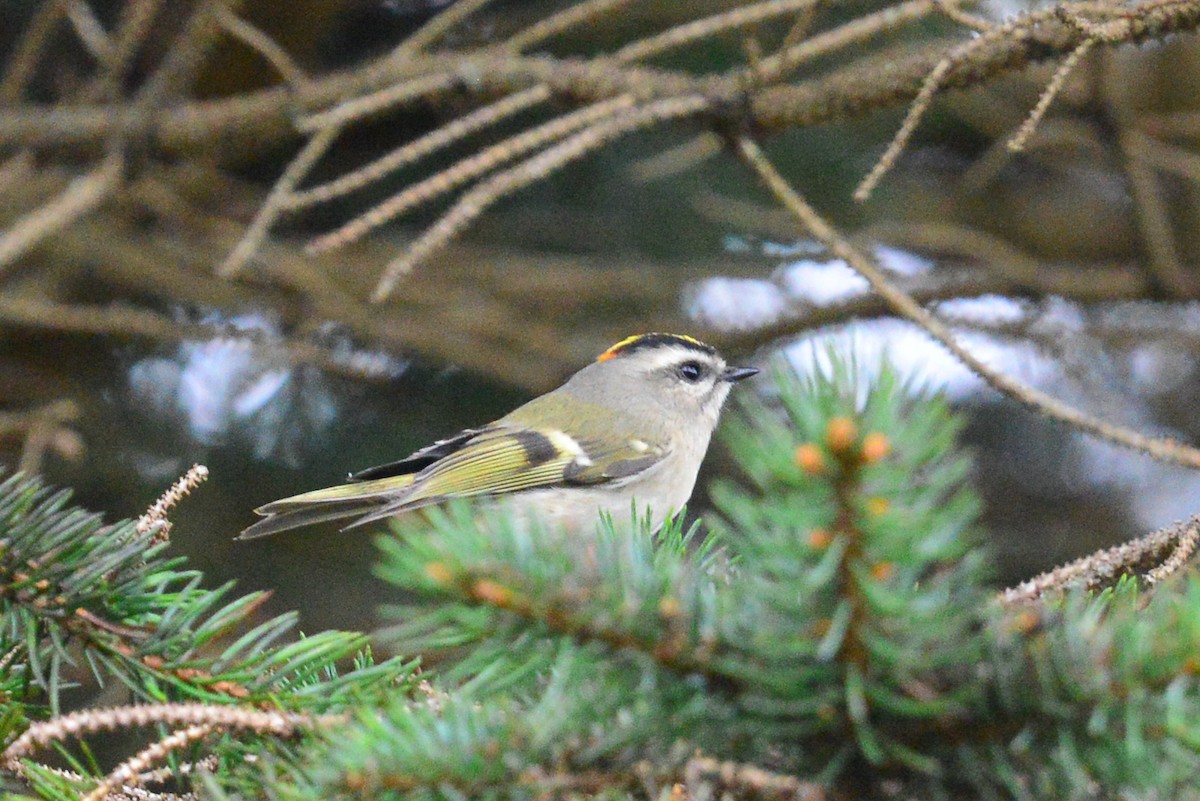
[(418, 149), (707, 27), (88, 29), (437, 27), (126, 774), (80, 197), (1153, 220), (1152, 558), (467, 170), (24, 59), (276, 201), (132, 28), (1017, 143), (222, 718), (475, 202), (561, 22), (155, 518), (264, 45)]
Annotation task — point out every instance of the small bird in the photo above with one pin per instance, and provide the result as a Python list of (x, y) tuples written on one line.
[(630, 428)]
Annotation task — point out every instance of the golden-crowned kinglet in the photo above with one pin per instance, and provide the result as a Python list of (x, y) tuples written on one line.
[(630, 428)]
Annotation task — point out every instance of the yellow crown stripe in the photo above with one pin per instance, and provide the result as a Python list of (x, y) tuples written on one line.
[(627, 341)]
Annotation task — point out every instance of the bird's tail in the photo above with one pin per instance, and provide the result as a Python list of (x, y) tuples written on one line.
[(370, 500)]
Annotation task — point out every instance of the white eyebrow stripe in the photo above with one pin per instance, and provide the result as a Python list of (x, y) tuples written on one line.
[(669, 355)]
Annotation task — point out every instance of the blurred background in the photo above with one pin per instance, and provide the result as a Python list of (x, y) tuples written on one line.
[(134, 344)]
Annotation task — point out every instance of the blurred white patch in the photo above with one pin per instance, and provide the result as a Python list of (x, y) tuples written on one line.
[(902, 262), (244, 389), (820, 283), (917, 357), (734, 303), (986, 309)]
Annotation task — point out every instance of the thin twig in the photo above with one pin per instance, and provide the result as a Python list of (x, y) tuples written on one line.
[(81, 196), (155, 518), (28, 50), (1162, 448), (436, 28), (413, 151), (1154, 220), (89, 30), (707, 27), (468, 169), (479, 199), (520, 101), (276, 201), (930, 87), (1152, 557), (856, 31), (225, 718), (953, 10), (1017, 143), (801, 28), (900, 141), (377, 102), (128, 771), (258, 41), (675, 160), (561, 22), (186, 54), (133, 27)]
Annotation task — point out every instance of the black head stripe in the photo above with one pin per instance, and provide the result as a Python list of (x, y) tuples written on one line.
[(649, 341)]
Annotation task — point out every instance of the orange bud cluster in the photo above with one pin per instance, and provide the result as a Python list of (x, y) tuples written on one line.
[(841, 433), (810, 459), (875, 447), (878, 507), (438, 573), (493, 593), (882, 571), (819, 539), (842, 440), (1024, 621)]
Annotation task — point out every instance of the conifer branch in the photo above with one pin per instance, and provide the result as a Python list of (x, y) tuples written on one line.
[(154, 522), (1163, 448), (225, 718), (128, 772), (564, 615), (1152, 558)]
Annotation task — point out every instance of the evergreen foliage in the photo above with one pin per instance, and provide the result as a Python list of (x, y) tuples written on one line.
[(80, 600), (827, 632)]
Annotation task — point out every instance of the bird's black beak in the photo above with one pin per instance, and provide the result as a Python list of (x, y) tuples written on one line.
[(732, 374)]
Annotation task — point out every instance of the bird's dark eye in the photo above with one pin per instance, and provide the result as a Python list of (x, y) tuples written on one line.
[(690, 371)]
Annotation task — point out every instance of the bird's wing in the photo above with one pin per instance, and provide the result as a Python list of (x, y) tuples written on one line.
[(419, 460), (504, 459), (500, 458)]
